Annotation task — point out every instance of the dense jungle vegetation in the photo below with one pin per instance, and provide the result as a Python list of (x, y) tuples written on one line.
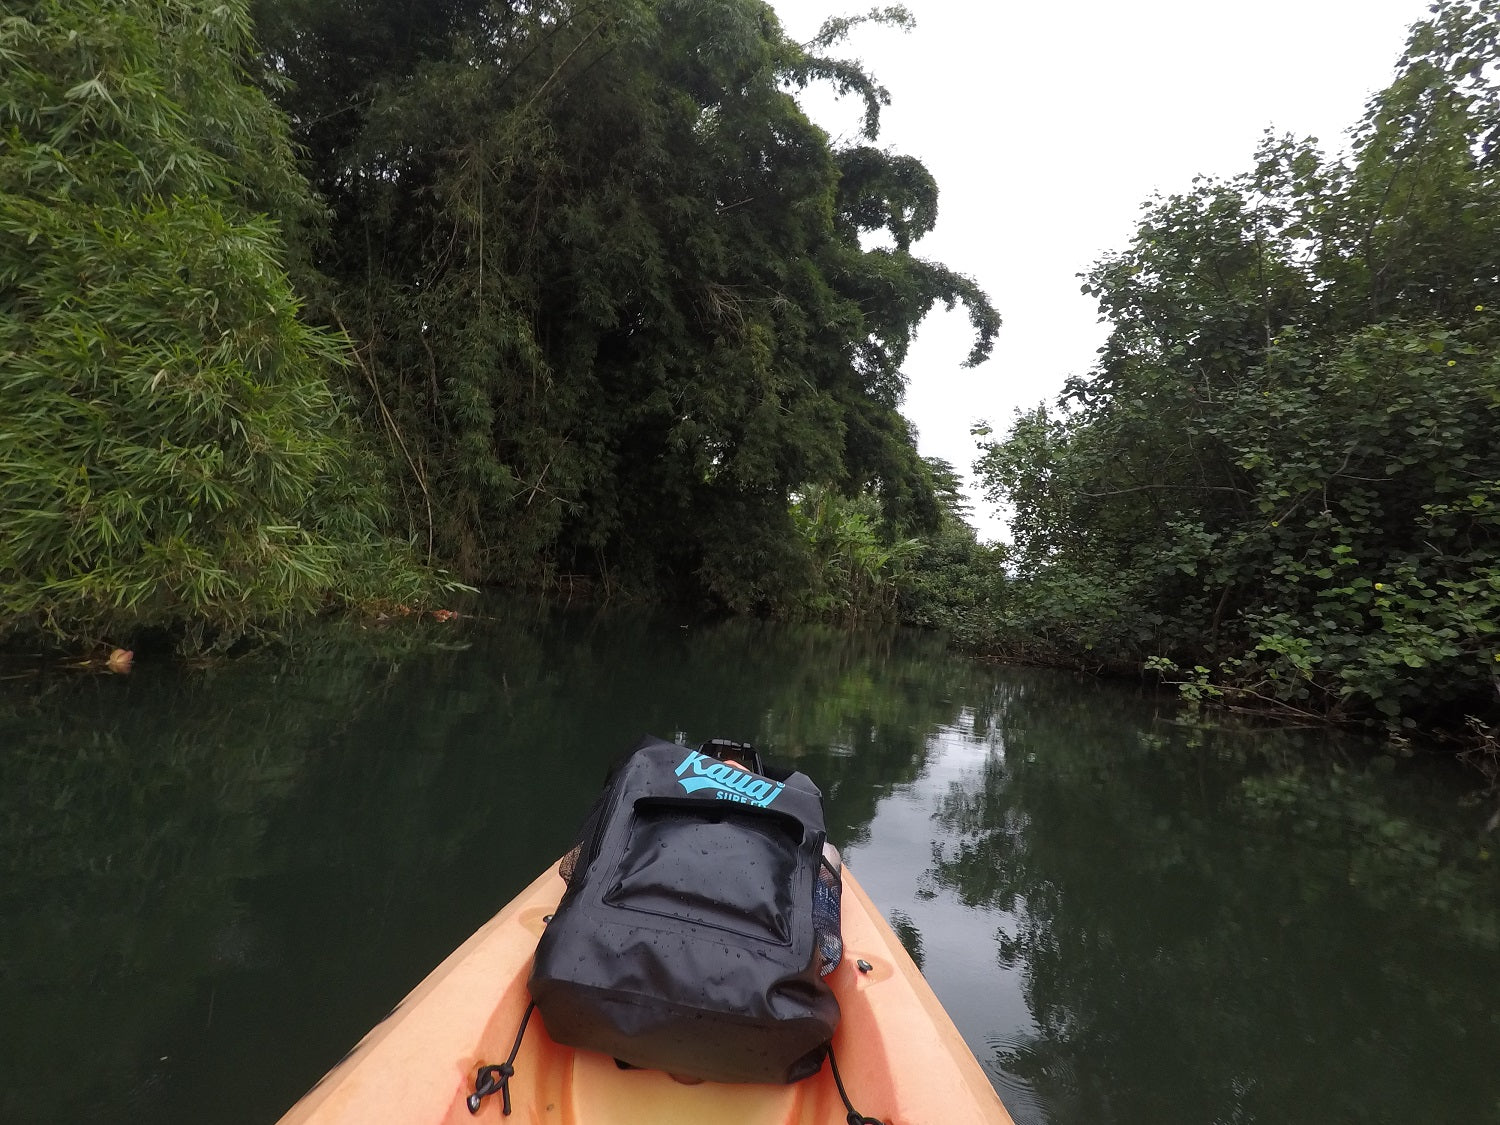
[(174, 450), (585, 302), (1281, 482), (317, 302), (607, 282)]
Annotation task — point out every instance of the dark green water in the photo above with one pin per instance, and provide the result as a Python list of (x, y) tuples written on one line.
[(215, 881)]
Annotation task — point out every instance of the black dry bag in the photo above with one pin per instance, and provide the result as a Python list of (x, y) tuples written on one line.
[(686, 940)]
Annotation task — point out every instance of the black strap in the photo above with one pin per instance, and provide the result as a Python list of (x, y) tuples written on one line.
[(747, 755), (491, 1078), (854, 1117)]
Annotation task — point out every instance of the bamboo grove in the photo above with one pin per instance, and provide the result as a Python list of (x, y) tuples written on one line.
[(556, 293)]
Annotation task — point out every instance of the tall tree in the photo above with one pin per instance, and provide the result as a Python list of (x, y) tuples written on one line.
[(607, 280)]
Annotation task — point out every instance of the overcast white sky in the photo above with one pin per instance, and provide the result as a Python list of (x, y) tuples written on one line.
[(1047, 125)]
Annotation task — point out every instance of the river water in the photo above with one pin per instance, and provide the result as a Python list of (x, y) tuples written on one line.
[(216, 879)]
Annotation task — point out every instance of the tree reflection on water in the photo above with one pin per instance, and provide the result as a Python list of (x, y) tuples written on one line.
[(1212, 929), (215, 881)]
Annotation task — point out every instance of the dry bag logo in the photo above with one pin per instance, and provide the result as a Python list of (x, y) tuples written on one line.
[(699, 771)]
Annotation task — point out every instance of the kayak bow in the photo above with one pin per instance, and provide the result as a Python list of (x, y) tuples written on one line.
[(900, 1056)]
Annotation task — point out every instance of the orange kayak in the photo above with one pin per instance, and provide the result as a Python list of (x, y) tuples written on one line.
[(901, 1059)]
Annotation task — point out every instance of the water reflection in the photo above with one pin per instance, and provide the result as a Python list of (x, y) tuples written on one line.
[(1307, 945), (214, 882)]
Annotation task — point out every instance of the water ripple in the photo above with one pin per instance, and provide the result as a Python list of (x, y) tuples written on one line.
[(1012, 1064)]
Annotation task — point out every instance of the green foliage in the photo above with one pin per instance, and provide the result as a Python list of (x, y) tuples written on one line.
[(1283, 470), (861, 564), (171, 452), (953, 582), (606, 280), (855, 573)]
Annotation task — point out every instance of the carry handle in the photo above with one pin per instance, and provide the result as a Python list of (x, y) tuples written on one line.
[(726, 749)]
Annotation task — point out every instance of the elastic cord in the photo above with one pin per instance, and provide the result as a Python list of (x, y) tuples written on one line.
[(491, 1078), (854, 1117)]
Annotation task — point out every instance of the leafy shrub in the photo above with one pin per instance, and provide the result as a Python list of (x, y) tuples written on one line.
[(172, 452)]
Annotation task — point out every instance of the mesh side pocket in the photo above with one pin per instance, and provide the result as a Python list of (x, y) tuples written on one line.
[(828, 893), (586, 843), (569, 863)]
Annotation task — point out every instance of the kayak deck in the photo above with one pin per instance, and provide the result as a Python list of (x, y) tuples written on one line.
[(900, 1056)]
